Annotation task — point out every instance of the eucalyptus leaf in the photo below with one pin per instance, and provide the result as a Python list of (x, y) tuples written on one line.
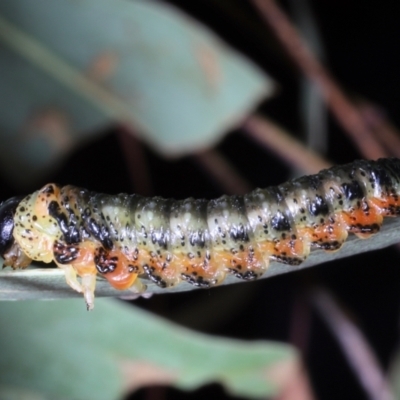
[(59, 349), (68, 67)]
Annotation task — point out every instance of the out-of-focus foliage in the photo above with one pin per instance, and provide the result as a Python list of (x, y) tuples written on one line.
[(157, 69), (59, 350)]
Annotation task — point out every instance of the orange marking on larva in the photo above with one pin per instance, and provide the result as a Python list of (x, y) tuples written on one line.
[(266, 247), (388, 207), (363, 222), (247, 261), (123, 277), (209, 270), (291, 248), (160, 265), (238, 262), (329, 236), (84, 263)]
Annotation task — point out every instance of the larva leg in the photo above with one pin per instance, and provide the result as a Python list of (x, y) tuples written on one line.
[(140, 289), (88, 286), (77, 260), (71, 277), (15, 257)]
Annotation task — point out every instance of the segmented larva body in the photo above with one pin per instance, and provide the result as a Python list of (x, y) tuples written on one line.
[(125, 236)]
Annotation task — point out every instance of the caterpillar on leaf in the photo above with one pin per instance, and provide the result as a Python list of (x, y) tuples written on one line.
[(128, 237)]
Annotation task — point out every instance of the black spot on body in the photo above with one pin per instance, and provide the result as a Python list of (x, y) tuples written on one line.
[(100, 233), (328, 245), (104, 263), (154, 277), (49, 189), (64, 253), (366, 229), (318, 207), (280, 222), (352, 190), (247, 276), (133, 268), (239, 233), (197, 281), (159, 238), (381, 177), (287, 260), (69, 230)]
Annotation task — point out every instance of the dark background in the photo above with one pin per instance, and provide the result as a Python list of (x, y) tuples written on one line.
[(361, 43)]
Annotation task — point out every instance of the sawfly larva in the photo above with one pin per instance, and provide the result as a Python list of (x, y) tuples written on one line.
[(126, 237)]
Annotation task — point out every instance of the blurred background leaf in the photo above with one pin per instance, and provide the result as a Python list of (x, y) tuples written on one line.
[(69, 67), (60, 350)]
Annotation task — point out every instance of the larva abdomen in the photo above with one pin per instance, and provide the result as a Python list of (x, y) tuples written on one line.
[(198, 241)]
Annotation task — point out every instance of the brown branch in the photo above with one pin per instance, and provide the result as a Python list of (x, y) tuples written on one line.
[(357, 350), (385, 131), (345, 112), (297, 385), (280, 142)]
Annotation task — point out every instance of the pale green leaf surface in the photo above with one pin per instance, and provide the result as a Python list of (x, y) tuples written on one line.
[(16, 393), (59, 349), (157, 69)]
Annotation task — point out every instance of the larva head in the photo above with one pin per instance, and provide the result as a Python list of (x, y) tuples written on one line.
[(35, 229)]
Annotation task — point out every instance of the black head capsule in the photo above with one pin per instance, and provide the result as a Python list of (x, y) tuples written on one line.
[(7, 212)]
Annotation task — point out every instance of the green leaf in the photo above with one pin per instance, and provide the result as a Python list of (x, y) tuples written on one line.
[(70, 66), (59, 349)]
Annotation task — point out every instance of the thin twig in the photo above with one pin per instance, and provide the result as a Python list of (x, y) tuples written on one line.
[(385, 131), (297, 385), (299, 332), (223, 172), (280, 142), (345, 112), (355, 346)]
